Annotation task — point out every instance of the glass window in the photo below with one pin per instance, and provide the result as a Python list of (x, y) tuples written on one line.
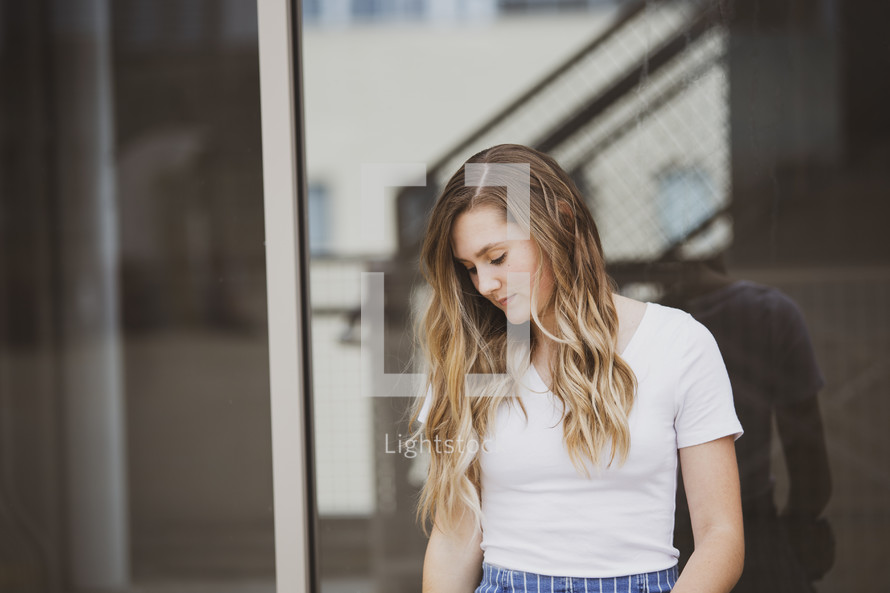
[(686, 199), (319, 219), (736, 170), (135, 404)]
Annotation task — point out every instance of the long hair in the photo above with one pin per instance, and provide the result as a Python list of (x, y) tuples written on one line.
[(462, 332)]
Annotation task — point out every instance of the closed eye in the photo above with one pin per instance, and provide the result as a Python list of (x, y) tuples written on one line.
[(494, 262)]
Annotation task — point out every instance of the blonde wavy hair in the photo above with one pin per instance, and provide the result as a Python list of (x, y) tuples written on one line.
[(461, 333)]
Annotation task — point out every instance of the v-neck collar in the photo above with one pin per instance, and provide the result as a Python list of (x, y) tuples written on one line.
[(536, 377)]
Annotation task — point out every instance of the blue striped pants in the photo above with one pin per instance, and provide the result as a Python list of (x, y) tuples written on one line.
[(496, 579)]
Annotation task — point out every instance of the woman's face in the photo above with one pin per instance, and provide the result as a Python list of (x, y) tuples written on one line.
[(479, 242)]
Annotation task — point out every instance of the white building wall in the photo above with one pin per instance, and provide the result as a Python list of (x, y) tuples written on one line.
[(406, 93)]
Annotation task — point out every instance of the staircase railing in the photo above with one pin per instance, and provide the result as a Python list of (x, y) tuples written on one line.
[(645, 38)]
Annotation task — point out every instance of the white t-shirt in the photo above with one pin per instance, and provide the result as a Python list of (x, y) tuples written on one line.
[(540, 515)]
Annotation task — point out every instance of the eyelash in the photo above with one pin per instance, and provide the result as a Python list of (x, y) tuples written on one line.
[(494, 262)]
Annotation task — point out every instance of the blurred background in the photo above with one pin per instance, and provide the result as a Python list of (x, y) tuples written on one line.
[(135, 446), (735, 155)]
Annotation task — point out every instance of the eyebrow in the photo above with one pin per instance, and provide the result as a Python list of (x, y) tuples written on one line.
[(484, 249)]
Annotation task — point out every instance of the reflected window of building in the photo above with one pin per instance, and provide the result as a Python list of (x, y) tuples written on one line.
[(686, 199), (319, 219), (519, 6), (340, 12)]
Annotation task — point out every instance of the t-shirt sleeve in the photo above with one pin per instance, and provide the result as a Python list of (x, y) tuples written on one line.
[(704, 405), (425, 409)]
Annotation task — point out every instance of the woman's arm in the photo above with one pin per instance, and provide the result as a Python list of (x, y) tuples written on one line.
[(806, 457), (453, 561), (711, 478)]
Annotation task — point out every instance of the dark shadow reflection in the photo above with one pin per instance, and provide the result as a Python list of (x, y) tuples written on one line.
[(769, 356)]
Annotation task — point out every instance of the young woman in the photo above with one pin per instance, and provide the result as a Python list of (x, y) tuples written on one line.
[(559, 474)]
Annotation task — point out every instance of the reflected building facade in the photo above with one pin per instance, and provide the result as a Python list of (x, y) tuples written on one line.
[(135, 447), (135, 430), (734, 132)]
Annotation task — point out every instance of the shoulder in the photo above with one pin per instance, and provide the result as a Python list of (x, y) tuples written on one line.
[(679, 339), (424, 404), (753, 310), (674, 326), (628, 308), (744, 297), (630, 314)]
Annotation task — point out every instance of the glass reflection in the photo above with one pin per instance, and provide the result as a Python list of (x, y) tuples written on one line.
[(766, 346), (748, 133), (135, 439)]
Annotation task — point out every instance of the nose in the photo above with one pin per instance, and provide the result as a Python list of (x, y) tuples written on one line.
[(488, 281)]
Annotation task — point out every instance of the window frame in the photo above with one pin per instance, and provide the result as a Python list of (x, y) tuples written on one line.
[(287, 276)]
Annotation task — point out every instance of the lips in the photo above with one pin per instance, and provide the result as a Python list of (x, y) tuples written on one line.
[(503, 302)]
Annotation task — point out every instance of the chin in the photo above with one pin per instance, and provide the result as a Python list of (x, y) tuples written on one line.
[(515, 314), (518, 319)]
